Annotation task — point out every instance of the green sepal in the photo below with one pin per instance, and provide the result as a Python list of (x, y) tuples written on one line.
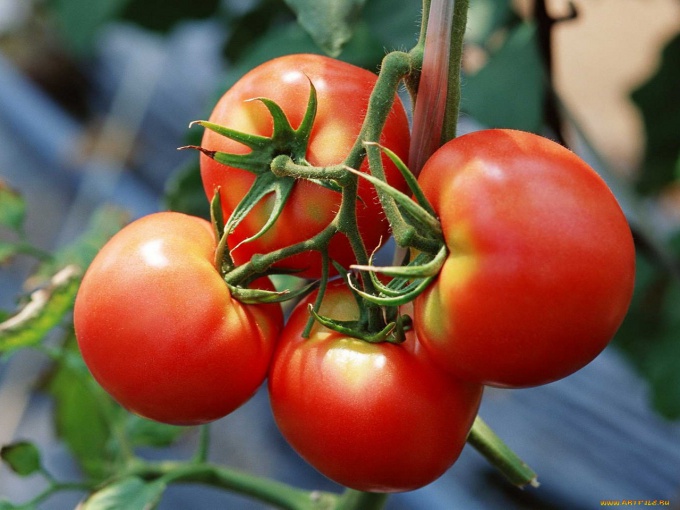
[(254, 162), (419, 267), (411, 180), (261, 296), (413, 290), (409, 280), (284, 140), (355, 329), (254, 142), (223, 260), (426, 223), (264, 185), (216, 217)]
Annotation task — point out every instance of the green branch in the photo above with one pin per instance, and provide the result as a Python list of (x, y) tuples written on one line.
[(460, 15), (355, 500), (266, 490), (483, 439)]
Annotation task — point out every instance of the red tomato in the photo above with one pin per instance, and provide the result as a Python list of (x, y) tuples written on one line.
[(373, 417), (343, 91), (541, 265), (159, 330)]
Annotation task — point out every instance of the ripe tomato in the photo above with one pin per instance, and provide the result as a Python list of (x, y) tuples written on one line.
[(343, 91), (541, 265), (373, 417), (158, 329)]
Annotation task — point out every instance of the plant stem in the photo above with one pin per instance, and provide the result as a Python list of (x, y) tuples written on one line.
[(203, 444), (260, 263), (356, 500), (486, 442), (430, 103), (395, 66), (269, 491), (460, 15)]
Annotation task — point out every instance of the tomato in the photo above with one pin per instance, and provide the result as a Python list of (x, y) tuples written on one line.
[(343, 91), (159, 330), (373, 417), (541, 265)]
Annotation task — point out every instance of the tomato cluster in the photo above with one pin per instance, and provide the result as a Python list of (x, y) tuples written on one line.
[(537, 278)]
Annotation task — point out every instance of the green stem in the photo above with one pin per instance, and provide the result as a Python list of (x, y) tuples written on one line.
[(460, 15), (483, 439), (266, 490), (356, 500), (259, 264), (203, 444), (395, 66), (413, 78), (348, 225), (283, 166)]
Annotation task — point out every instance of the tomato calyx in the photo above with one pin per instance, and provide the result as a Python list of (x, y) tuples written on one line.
[(413, 220), (394, 332), (415, 227), (276, 161), (240, 288), (408, 280), (393, 326)]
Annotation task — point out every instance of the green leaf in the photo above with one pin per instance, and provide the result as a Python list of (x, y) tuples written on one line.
[(258, 296), (509, 90), (659, 103), (23, 458), (84, 414), (12, 208), (131, 493), (44, 311), (265, 185), (329, 22), (143, 432)]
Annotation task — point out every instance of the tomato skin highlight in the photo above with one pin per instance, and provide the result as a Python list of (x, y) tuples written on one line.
[(541, 266), (343, 91), (159, 330), (373, 417)]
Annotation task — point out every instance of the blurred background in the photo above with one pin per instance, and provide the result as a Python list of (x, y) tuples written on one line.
[(95, 98)]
